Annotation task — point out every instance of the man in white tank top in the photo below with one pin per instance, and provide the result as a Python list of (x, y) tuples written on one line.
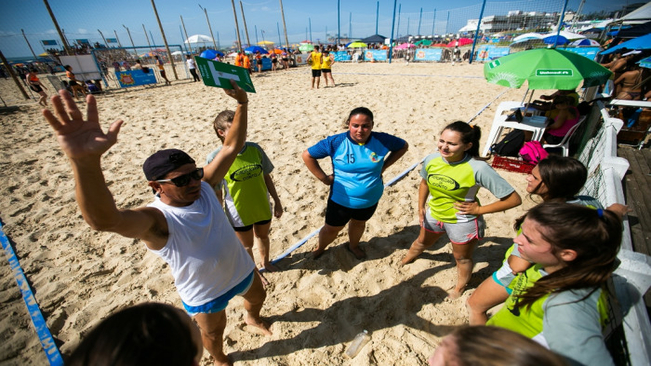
[(185, 225)]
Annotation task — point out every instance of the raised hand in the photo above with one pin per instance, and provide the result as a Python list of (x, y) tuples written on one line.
[(77, 137), (237, 93)]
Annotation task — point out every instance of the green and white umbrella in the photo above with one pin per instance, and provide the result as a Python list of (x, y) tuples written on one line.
[(306, 47), (545, 68)]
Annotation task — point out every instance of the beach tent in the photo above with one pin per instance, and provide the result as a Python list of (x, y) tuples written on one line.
[(376, 38)]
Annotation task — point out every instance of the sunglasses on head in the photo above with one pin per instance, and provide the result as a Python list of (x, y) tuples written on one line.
[(184, 180)]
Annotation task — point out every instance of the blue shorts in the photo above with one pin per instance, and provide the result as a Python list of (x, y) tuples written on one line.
[(458, 233), (220, 303)]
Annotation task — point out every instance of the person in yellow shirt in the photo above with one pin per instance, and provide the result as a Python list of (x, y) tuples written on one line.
[(326, 67), (314, 59)]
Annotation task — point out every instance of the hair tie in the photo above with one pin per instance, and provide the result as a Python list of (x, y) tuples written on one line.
[(600, 213), (471, 126)]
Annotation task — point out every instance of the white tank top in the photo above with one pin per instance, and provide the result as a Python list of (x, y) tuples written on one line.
[(205, 255)]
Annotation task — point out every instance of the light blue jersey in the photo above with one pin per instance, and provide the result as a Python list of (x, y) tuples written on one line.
[(357, 167)]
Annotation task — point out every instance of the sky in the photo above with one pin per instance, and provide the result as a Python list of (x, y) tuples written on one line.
[(305, 19)]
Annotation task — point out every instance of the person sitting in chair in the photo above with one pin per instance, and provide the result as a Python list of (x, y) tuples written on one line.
[(561, 119)]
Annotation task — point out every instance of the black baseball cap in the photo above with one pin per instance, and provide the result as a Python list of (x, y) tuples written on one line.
[(163, 162)]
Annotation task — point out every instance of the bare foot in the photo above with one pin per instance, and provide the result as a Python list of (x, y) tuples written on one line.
[(317, 253), (258, 324), (455, 293), (269, 267), (405, 261), (227, 362)]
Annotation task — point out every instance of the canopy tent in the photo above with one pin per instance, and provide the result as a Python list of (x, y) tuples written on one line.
[(636, 31), (198, 38), (376, 38), (528, 36), (568, 35), (639, 43), (641, 13)]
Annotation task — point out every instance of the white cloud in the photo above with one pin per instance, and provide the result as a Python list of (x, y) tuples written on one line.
[(82, 31), (51, 31)]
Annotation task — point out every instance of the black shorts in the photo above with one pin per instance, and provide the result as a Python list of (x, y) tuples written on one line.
[(338, 215), (249, 227), (72, 83), (316, 73), (326, 71), (36, 88)]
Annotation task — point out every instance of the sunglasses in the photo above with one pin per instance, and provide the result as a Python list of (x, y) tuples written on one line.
[(184, 180)]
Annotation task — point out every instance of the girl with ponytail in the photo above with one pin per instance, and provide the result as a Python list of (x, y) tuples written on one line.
[(561, 301), (447, 198)]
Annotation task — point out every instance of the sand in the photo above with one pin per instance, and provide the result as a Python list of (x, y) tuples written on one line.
[(317, 307)]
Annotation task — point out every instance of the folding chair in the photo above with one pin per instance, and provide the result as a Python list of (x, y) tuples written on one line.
[(564, 145)]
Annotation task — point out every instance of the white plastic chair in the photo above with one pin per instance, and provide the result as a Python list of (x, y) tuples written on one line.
[(564, 145)]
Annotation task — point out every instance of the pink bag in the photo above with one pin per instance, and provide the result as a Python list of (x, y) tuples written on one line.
[(533, 152)]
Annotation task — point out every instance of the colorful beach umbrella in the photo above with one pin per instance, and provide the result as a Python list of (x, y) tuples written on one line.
[(306, 47), (527, 36), (554, 39), (545, 68), (210, 54), (357, 45), (254, 49), (585, 42), (265, 43), (405, 46), (424, 42)]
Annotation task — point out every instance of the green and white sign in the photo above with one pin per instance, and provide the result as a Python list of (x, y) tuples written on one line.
[(218, 74), (554, 72)]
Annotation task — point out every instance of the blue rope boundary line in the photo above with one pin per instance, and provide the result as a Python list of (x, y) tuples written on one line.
[(310, 235), (44, 335)]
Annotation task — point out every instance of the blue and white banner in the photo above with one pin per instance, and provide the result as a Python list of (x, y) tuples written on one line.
[(111, 40), (341, 56), (135, 78), (49, 42), (487, 53), (428, 54), (589, 52), (375, 55)]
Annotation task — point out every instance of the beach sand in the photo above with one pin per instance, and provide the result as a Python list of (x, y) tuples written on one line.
[(317, 307)]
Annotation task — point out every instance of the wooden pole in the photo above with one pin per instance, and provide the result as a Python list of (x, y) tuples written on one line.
[(237, 28), (29, 45), (246, 31), (186, 34), (167, 47), (282, 12), (56, 25), (11, 72)]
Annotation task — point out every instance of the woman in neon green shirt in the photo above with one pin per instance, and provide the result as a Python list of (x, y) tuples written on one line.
[(561, 301)]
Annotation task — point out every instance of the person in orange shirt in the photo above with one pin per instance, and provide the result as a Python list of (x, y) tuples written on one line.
[(75, 87), (246, 62), (239, 59)]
